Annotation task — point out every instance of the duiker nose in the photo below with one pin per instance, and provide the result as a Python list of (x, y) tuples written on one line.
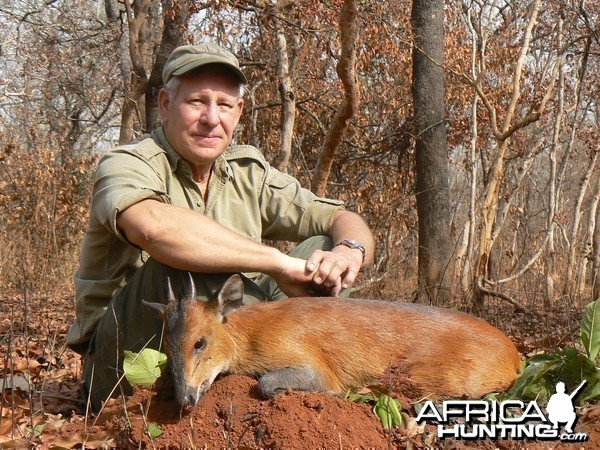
[(190, 397)]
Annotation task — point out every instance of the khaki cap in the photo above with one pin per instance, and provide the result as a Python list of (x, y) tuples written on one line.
[(190, 57)]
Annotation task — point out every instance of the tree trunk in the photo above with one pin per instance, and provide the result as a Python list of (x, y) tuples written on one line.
[(288, 100), (137, 14), (176, 15), (140, 107), (553, 188), (465, 268), (590, 245), (596, 255), (432, 184), (585, 182), (502, 133)]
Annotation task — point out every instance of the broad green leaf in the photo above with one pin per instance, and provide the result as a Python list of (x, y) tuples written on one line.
[(590, 330), (153, 431), (592, 391), (144, 368), (578, 369), (544, 371), (388, 410), (534, 381)]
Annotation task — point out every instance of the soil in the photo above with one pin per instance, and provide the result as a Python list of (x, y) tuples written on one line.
[(232, 417)]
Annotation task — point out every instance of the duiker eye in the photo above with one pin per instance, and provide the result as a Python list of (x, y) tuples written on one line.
[(200, 344)]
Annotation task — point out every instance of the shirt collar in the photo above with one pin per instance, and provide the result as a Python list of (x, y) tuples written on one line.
[(172, 156), (222, 168)]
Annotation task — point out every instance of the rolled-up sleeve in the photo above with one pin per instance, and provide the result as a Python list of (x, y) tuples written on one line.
[(122, 180), (291, 212)]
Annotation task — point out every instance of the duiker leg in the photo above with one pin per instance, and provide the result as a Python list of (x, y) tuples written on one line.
[(296, 378)]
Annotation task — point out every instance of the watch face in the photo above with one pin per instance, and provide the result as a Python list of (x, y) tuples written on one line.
[(355, 244), (351, 243)]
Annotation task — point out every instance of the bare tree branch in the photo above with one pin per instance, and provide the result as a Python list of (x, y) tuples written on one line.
[(346, 72)]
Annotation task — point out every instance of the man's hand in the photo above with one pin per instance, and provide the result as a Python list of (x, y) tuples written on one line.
[(334, 270), (295, 279), (325, 273), (337, 269)]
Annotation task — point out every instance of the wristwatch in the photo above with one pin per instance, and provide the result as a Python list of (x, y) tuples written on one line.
[(351, 243)]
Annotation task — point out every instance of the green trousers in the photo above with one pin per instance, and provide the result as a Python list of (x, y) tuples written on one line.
[(128, 325)]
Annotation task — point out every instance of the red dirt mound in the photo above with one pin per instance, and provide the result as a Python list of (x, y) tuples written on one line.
[(232, 416)]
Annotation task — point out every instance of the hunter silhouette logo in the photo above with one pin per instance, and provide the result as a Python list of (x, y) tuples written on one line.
[(560, 407), (509, 419)]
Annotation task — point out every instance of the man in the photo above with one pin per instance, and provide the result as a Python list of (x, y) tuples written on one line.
[(181, 199)]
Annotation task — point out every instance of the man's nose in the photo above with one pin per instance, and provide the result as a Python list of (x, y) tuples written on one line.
[(210, 115)]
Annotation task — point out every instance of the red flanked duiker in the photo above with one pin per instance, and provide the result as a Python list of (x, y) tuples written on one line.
[(330, 344)]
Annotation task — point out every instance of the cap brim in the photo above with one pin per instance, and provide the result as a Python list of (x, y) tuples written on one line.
[(205, 61)]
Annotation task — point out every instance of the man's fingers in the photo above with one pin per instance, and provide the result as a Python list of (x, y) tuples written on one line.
[(349, 278), (330, 271), (333, 270), (313, 263)]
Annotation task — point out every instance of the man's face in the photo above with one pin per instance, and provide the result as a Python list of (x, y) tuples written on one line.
[(199, 118)]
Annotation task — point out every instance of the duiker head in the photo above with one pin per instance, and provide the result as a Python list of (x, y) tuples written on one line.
[(197, 345)]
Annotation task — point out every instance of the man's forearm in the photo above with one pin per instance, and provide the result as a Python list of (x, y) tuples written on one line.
[(347, 225), (188, 240)]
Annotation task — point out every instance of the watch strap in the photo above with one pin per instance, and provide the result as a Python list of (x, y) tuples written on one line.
[(351, 243)]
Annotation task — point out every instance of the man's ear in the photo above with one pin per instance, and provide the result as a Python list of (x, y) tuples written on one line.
[(163, 104), (240, 110)]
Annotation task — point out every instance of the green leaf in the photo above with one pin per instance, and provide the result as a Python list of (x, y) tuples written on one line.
[(388, 410), (536, 379), (37, 430), (591, 391), (579, 369), (144, 368), (539, 379), (153, 431), (590, 330)]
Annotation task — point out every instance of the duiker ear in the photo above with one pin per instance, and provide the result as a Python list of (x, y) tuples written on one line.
[(157, 308), (230, 296)]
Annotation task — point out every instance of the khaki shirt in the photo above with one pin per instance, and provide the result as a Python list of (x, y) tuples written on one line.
[(245, 194)]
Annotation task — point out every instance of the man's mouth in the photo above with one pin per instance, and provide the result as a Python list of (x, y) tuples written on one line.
[(209, 137)]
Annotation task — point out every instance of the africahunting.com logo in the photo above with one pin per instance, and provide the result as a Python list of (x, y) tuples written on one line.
[(510, 419)]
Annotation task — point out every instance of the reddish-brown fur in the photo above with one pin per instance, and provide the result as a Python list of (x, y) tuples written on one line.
[(348, 342)]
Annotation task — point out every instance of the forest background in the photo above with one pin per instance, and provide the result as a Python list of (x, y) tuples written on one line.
[(331, 100)]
